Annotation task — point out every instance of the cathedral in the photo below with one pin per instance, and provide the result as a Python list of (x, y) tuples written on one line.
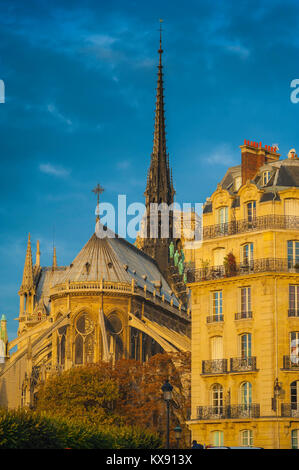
[(114, 300)]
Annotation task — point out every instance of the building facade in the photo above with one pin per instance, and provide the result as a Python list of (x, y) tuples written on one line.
[(245, 311)]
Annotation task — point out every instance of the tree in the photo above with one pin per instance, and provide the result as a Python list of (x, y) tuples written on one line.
[(128, 392)]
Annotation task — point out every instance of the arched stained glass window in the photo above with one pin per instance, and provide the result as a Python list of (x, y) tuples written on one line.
[(84, 339)]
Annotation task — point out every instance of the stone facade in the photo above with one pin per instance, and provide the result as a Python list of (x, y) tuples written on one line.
[(245, 317)]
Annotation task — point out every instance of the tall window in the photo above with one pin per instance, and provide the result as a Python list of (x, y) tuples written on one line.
[(246, 394), (217, 305), (291, 207), (84, 340), (293, 253), (251, 211), (247, 438), (217, 438), (217, 399), (247, 253), (223, 219), (294, 300), (295, 439), (245, 345), (245, 300), (61, 335), (294, 347), (216, 348), (294, 392)]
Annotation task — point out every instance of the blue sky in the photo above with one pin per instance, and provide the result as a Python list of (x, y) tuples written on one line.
[(80, 83)]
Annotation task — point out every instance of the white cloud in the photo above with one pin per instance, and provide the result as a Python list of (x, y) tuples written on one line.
[(54, 111), (123, 165), (238, 49), (222, 155), (49, 169)]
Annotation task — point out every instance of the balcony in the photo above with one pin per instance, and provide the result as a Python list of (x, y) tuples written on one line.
[(215, 318), (293, 313), (243, 315), (291, 362), (290, 410), (266, 222), (261, 265), (243, 364), (216, 366), (228, 412)]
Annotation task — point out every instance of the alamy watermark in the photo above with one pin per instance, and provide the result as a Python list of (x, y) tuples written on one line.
[(134, 220), (2, 92), (295, 93)]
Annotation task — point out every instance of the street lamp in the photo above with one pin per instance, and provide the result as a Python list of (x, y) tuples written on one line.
[(167, 395), (277, 388), (178, 435), (277, 394)]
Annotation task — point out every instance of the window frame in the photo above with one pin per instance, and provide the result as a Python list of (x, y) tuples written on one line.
[(246, 394), (220, 441), (247, 297), (245, 351), (266, 180), (217, 312), (251, 211), (292, 253), (295, 439), (249, 438)]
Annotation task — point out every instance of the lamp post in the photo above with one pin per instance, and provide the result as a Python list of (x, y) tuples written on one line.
[(178, 435), (167, 395), (277, 393)]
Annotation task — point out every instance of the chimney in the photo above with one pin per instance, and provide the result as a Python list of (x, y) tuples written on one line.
[(253, 156)]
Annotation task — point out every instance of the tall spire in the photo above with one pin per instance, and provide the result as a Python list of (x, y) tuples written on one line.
[(159, 185), (27, 282)]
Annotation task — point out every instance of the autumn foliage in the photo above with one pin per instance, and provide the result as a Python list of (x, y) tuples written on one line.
[(126, 393)]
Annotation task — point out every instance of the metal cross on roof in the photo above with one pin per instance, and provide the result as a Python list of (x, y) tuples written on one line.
[(98, 190)]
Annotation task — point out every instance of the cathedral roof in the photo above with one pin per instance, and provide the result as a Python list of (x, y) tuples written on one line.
[(111, 259)]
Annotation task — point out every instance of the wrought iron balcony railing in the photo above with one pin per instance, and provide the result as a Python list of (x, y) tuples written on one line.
[(290, 410), (291, 362), (216, 366), (215, 318), (261, 265), (242, 315), (293, 313), (242, 364), (228, 412), (264, 222)]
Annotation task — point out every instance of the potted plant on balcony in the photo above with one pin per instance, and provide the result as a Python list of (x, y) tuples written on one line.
[(230, 265), (296, 267)]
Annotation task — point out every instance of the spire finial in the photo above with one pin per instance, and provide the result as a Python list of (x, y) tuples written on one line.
[(160, 49), (54, 264), (27, 282), (37, 261), (98, 190)]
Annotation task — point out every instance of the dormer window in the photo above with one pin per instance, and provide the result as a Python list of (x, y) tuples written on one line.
[(266, 177)]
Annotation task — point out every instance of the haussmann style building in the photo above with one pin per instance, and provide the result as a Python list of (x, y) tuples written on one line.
[(245, 306)]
